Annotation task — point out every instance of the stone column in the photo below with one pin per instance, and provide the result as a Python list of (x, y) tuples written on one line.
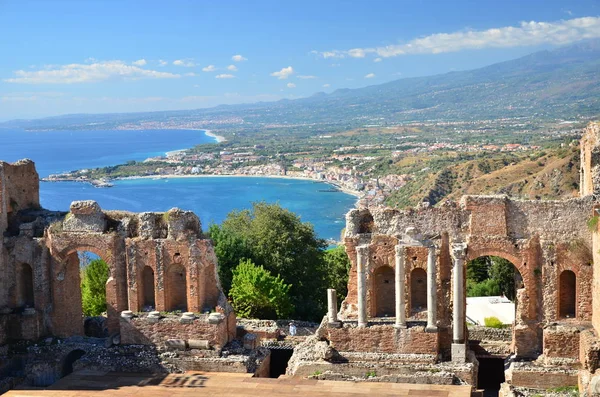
[(362, 253), (431, 290), (400, 287), (459, 350), (332, 307)]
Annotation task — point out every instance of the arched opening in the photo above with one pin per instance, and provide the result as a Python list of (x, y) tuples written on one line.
[(94, 273), (67, 367), (25, 295), (177, 288), (567, 292), (384, 286), (493, 285), (148, 299), (418, 290)]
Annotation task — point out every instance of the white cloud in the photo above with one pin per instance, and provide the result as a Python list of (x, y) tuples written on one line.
[(326, 85), (377, 60), (291, 85), (162, 62), (224, 76), (140, 62), (184, 62), (370, 76), (526, 34), (233, 68), (191, 74), (87, 73), (238, 58), (306, 77), (209, 68), (284, 73)]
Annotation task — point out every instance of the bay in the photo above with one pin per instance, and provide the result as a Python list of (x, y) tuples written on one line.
[(211, 198)]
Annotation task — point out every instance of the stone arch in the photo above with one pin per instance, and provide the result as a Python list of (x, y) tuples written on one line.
[(418, 290), (147, 288), (567, 294), (69, 360), (384, 291), (176, 291), (25, 296)]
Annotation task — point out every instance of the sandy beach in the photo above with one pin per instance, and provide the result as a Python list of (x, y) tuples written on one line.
[(219, 138)]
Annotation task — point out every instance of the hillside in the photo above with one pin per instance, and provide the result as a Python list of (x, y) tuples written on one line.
[(563, 83), (548, 174)]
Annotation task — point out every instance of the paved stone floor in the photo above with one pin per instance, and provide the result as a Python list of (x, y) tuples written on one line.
[(84, 384)]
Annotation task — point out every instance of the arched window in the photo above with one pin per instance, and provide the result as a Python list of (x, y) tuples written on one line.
[(177, 288), (25, 286), (148, 300), (418, 289), (567, 290), (385, 293)]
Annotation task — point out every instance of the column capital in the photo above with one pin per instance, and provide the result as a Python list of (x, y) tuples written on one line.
[(459, 251), (399, 248)]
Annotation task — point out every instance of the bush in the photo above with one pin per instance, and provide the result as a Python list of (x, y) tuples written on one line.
[(258, 294), (93, 287), (493, 322)]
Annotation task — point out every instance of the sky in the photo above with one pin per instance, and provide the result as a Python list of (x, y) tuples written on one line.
[(99, 56)]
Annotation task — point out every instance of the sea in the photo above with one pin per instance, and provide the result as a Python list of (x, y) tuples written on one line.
[(211, 198)]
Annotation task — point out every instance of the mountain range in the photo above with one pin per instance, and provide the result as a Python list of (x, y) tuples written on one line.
[(561, 83)]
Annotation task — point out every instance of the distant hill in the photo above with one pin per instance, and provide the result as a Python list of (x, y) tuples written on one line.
[(561, 83)]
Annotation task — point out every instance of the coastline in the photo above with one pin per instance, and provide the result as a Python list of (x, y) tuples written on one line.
[(218, 138)]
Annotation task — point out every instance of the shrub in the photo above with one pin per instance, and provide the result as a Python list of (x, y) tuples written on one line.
[(493, 322), (258, 294), (93, 287)]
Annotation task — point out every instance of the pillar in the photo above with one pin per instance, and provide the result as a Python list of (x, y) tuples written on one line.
[(431, 290), (459, 349), (400, 288), (362, 253), (332, 307)]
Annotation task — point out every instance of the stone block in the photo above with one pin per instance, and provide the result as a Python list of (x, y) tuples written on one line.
[(201, 344), (459, 352), (182, 224), (250, 341), (215, 318), (85, 216)]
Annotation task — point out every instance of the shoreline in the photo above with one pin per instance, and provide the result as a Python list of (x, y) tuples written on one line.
[(218, 138), (342, 189)]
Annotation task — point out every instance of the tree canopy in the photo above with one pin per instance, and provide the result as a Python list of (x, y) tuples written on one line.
[(491, 276), (93, 287)]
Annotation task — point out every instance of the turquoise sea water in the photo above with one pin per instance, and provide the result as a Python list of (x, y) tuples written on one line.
[(210, 198)]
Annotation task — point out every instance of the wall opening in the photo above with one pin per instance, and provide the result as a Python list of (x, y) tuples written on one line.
[(70, 359), (279, 361), (177, 288), (366, 223), (148, 297), (25, 294), (94, 273), (385, 291), (567, 290), (491, 374), (418, 290)]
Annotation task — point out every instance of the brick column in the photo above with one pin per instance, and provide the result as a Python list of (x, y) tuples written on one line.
[(400, 287), (431, 290), (362, 252)]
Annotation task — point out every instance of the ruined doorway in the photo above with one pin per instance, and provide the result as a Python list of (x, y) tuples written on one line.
[(418, 290), (94, 273), (67, 367), (567, 292), (385, 291), (279, 361), (25, 294), (148, 297), (177, 288), (490, 375)]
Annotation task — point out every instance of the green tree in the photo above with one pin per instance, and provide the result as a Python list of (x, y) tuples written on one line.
[(477, 269), (503, 272), (491, 276), (256, 293), (93, 287), (278, 240), (337, 266)]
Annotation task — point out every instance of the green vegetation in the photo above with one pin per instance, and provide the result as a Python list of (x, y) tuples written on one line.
[(276, 239), (93, 287), (255, 293), (592, 223), (493, 322), (338, 265), (491, 276)]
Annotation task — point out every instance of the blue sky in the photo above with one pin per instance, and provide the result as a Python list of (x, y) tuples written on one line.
[(92, 56)]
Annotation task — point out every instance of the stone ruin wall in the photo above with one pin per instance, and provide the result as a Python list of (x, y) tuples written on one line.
[(170, 244)]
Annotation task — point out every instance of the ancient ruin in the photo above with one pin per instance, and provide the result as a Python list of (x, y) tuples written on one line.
[(404, 319)]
